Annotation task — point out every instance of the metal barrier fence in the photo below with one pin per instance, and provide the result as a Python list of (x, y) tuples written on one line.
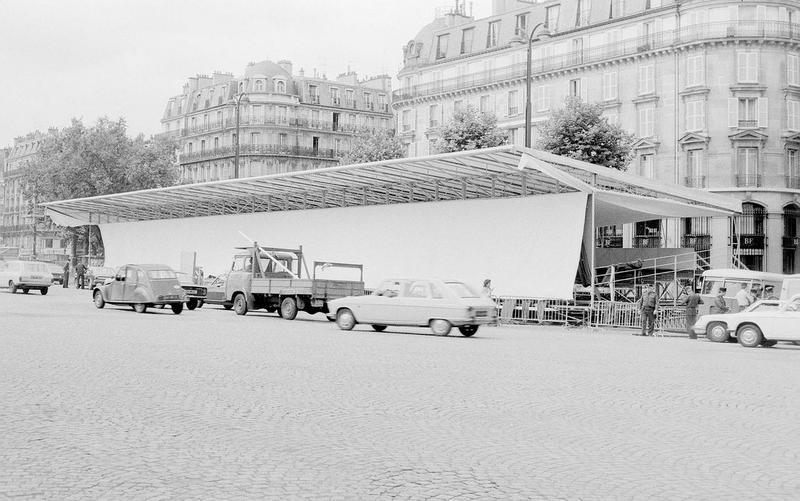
[(623, 314)]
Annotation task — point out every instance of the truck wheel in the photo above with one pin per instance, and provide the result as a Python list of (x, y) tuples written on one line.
[(191, 304), (140, 307), (240, 304), (43, 291), (177, 308), (717, 332), (289, 308), (345, 319), (98, 300), (468, 330)]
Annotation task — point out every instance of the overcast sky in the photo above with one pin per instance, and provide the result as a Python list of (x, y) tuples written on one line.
[(123, 58)]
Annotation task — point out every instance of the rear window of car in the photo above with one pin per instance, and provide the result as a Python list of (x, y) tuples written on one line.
[(160, 274), (462, 289), (35, 267)]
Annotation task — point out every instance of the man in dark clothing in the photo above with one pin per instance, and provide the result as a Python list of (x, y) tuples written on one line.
[(691, 302), (719, 305), (65, 282), (80, 275), (647, 306)]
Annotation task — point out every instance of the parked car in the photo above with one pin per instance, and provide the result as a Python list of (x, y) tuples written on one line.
[(437, 304), (57, 273), (195, 294), (761, 323), (142, 286), (25, 275), (97, 275)]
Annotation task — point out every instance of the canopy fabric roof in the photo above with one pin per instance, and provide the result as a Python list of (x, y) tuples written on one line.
[(502, 172)]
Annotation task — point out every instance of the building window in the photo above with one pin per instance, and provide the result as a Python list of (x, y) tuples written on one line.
[(551, 17), (617, 9), (610, 81), (793, 114), (793, 168), (748, 236), (458, 106), (652, 4), (280, 87), (647, 120), (433, 114), (216, 143), (747, 167), (189, 148), (792, 69), (259, 85), (406, 121), (695, 115), (748, 112), (349, 98), (255, 138), (492, 34), (647, 234), (513, 103), (582, 16), (646, 166), (313, 94), (695, 177), (485, 105), (575, 88), (543, 98), (612, 117), (467, 36), (522, 24), (747, 66), (336, 99), (695, 70), (646, 79), (202, 146), (441, 45)]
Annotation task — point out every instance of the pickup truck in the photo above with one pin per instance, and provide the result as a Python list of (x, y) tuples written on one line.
[(271, 278)]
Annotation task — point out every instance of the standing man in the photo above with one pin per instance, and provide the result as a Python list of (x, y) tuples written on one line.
[(647, 307), (719, 305), (65, 282), (691, 301), (743, 297), (80, 275)]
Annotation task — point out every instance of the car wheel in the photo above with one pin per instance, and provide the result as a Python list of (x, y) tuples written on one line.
[(289, 308), (98, 300), (749, 336), (227, 306), (191, 304), (12, 287), (345, 319), (25, 290), (717, 332), (200, 303), (440, 327), (468, 330), (379, 328), (240, 304), (43, 291), (177, 308), (140, 307)]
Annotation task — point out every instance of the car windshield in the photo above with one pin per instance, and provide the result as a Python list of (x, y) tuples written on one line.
[(160, 274), (35, 267), (462, 289), (103, 271)]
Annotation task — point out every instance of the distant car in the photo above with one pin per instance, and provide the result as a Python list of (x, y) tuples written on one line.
[(195, 294), (97, 275), (141, 286), (57, 273), (762, 323), (25, 275), (437, 304)]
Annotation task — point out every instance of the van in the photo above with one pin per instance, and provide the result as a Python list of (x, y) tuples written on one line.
[(732, 279)]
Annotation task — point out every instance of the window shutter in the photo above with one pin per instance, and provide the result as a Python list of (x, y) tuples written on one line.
[(792, 69), (642, 79), (614, 85), (761, 12), (741, 63), (584, 91), (733, 112), (763, 114), (546, 93)]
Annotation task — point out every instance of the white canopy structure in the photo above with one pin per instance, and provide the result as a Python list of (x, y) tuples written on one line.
[(516, 215)]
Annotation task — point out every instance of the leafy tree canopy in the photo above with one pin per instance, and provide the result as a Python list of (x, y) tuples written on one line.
[(470, 129), (580, 131), (79, 161), (374, 146)]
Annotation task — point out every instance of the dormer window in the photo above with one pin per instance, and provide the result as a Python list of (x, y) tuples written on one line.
[(280, 86), (492, 34), (259, 85), (441, 45)]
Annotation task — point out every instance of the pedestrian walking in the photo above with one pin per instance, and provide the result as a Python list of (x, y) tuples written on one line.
[(487, 288), (719, 305), (743, 299), (80, 275), (691, 302), (65, 281), (648, 304)]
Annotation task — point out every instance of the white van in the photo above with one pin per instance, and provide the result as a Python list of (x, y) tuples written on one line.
[(732, 279), (25, 275)]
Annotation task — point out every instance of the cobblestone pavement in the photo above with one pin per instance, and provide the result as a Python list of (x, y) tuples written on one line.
[(110, 404)]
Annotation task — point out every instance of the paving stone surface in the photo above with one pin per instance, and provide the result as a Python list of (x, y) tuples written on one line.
[(110, 404)]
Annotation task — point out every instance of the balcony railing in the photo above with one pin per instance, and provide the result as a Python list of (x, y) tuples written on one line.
[(791, 242), (665, 39), (647, 241), (749, 180), (748, 124), (695, 181), (256, 150), (793, 182), (609, 241), (696, 242)]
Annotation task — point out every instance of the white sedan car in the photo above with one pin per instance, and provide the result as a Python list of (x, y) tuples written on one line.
[(437, 304), (763, 323), (25, 276)]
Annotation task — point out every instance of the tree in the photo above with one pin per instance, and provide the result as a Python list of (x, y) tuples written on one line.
[(580, 131), (470, 129), (374, 146)]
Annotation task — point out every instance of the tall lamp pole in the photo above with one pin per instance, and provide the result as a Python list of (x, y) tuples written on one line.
[(238, 100), (528, 104)]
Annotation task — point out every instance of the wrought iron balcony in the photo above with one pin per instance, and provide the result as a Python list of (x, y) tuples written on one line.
[(748, 124), (695, 181), (791, 242), (696, 242), (273, 150), (748, 180), (609, 241), (647, 241), (697, 33)]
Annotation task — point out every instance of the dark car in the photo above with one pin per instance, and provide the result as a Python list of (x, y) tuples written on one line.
[(57, 272), (195, 294), (141, 286), (97, 275)]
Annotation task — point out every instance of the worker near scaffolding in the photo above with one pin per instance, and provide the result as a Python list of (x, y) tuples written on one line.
[(691, 302), (648, 304)]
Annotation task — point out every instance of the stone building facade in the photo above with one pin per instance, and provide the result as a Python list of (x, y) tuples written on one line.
[(710, 88), (287, 121)]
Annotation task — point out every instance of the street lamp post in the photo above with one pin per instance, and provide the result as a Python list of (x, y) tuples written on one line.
[(238, 100), (528, 104)]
